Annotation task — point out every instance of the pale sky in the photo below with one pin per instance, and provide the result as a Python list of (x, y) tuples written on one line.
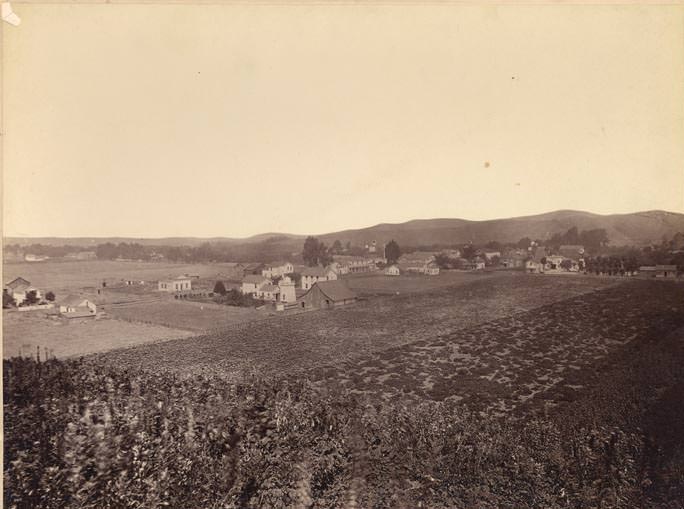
[(232, 120)]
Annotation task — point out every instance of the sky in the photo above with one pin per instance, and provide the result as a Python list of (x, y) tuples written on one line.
[(233, 120)]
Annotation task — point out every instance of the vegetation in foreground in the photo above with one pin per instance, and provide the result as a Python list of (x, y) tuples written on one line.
[(81, 435)]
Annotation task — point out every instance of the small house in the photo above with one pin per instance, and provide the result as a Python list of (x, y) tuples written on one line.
[(432, 269), (277, 269), (659, 271), (312, 275), (18, 288), (176, 285), (268, 292), (392, 270), (326, 295), (253, 282), (74, 306)]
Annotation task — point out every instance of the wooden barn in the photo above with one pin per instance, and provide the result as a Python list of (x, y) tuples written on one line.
[(326, 295)]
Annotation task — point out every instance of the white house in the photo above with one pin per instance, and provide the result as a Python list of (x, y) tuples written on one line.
[(276, 269), (19, 287), (253, 282), (74, 306), (432, 269), (340, 268), (489, 255), (392, 270), (418, 263), (312, 275), (179, 284)]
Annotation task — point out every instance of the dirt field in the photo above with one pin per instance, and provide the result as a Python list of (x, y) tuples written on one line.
[(379, 284), (23, 332), (504, 363), (65, 276), (297, 343), (187, 315)]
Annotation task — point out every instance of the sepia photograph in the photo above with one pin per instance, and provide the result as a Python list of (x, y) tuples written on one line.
[(324, 254)]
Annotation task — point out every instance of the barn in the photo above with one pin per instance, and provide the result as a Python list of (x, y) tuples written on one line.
[(326, 295)]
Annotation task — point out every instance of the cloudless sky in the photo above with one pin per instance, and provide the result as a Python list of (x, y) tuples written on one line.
[(232, 120)]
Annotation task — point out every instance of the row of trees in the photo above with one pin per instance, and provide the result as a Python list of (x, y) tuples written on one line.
[(316, 252)]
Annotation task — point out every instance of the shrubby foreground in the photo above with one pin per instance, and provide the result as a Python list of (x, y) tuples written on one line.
[(87, 435)]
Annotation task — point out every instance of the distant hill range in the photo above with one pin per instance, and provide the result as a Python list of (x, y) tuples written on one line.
[(639, 228)]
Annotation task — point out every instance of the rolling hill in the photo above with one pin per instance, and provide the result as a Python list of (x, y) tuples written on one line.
[(639, 228)]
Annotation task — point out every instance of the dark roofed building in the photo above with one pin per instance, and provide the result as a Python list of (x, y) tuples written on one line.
[(667, 271), (326, 295)]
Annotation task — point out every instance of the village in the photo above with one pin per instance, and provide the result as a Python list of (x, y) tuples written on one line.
[(155, 300)]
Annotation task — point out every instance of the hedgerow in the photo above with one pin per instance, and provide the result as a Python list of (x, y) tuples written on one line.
[(86, 435)]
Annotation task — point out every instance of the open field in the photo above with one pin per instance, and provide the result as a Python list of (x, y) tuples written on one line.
[(62, 337), (63, 276), (296, 343), (187, 315), (376, 283)]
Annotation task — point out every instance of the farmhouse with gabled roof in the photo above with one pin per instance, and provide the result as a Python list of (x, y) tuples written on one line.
[(326, 295), (75, 306)]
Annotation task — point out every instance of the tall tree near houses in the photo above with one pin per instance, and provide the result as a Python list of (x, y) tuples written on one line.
[(315, 252), (392, 252)]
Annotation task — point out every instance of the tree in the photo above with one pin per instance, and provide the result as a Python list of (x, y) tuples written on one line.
[(494, 245), (594, 240), (31, 298), (8, 301), (336, 247), (392, 252), (296, 278), (443, 261), (220, 288), (566, 264), (49, 296), (310, 251), (468, 252), (315, 252), (524, 243)]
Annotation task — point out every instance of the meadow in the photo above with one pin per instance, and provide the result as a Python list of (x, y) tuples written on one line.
[(197, 317), (375, 283), (65, 276), (24, 332)]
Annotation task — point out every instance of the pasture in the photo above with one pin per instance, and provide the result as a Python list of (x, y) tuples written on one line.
[(198, 317), (23, 332), (377, 283), (66, 276)]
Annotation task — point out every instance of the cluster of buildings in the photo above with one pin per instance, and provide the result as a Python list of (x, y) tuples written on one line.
[(72, 306), (319, 287), (414, 263), (569, 258)]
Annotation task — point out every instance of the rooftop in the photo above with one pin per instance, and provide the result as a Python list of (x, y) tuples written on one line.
[(335, 290)]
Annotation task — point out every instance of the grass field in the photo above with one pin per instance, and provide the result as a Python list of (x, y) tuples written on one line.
[(61, 276), (379, 284), (297, 343), (25, 331), (187, 315)]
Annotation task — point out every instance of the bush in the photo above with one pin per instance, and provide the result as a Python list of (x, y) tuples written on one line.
[(109, 438)]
